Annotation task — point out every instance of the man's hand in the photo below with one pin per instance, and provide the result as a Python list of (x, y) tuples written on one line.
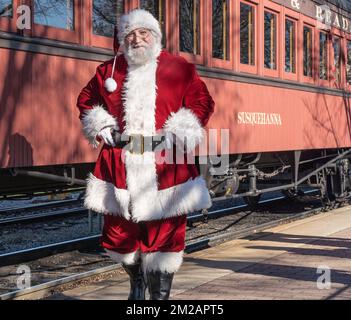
[(106, 135)]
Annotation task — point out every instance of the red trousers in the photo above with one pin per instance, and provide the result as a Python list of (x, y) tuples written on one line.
[(124, 236)]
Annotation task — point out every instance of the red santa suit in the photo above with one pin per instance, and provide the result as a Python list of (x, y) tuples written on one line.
[(145, 200)]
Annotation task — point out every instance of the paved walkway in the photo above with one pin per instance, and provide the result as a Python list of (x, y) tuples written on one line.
[(280, 263)]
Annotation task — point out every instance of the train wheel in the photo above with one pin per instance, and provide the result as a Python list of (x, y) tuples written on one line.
[(252, 201)]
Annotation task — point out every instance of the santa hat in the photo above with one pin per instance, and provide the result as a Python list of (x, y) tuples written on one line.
[(138, 18)]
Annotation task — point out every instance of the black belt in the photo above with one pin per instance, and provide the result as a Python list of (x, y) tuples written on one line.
[(138, 144)]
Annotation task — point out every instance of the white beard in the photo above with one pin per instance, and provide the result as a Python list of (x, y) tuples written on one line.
[(142, 56)]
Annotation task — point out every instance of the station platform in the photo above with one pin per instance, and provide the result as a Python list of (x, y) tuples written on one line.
[(291, 261)]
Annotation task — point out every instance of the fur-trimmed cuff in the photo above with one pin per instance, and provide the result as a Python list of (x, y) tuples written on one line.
[(187, 128), (162, 261), (127, 258), (104, 197), (94, 121)]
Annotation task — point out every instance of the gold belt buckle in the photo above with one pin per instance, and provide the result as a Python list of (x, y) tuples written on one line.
[(136, 140)]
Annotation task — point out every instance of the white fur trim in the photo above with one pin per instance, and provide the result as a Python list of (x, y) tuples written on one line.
[(187, 197), (184, 198), (186, 127), (104, 197), (139, 114), (142, 185), (138, 18), (150, 203), (162, 261), (94, 121), (139, 95), (128, 258)]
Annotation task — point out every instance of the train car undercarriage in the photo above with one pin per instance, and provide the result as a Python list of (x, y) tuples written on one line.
[(251, 175)]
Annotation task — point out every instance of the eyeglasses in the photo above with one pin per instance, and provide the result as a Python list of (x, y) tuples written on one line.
[(143, 34)]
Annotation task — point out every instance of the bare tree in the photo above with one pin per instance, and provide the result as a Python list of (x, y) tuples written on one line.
[(57, 13), (6, 8), (105, 16)]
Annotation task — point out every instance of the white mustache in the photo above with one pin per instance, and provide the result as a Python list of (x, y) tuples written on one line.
[(138, 47)]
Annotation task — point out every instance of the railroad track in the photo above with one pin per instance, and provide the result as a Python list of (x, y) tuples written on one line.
[(44, 216), (82, 243), (199, 244), (26, 214), (41, 206)]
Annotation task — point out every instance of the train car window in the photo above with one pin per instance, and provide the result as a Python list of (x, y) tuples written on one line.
[(247, 34), (336, 72), (158, 9), (290, 40), (270, 40), (105, 14), (189, 26), (6, 8), (54, 13), (348, 63), (220, 29), (323, 56), (307, 51)]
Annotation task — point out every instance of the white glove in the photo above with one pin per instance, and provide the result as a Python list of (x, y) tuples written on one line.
[(106, 136)]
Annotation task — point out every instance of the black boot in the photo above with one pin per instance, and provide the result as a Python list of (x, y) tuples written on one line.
[(137, 282), (159, 284)]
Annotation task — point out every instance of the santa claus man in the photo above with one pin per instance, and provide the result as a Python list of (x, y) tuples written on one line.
[(131, 104)]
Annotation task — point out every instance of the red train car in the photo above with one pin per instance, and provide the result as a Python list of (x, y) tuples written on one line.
[(278, 70)]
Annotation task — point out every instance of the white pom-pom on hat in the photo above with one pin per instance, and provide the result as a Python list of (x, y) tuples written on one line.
[(110, 85)]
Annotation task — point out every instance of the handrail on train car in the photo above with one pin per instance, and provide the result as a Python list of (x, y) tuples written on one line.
[(49, 176)]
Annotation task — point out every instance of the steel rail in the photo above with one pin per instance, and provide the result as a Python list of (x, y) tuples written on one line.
[(43, 216), (47, 250), (226, 211), (45, 287), (31, 207)]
